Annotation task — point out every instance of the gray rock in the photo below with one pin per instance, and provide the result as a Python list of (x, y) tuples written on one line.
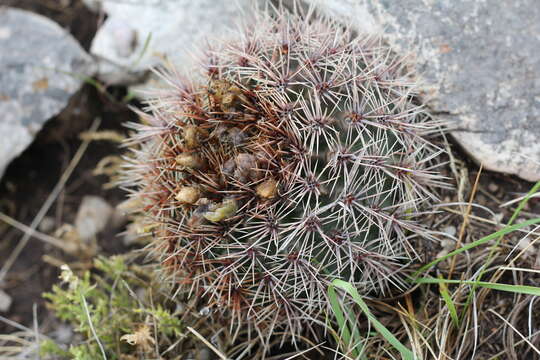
[(41, 67), (141, 34), (480, 66)]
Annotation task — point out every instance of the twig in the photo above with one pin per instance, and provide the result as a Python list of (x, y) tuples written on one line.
[(34, 233), (15, 324), (303, 352), (87, 312), (207, 343), (465, 220)]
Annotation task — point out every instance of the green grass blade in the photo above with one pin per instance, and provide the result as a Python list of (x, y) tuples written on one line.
[(143, 51), (381, 329), (340, 318), (443, 289), (523, 202), (519, 289), (355, 334), (476, 243)]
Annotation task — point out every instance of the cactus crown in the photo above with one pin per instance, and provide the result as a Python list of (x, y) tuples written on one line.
[(294, 157)]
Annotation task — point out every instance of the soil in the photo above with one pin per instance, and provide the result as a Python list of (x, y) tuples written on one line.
[(30, 178)]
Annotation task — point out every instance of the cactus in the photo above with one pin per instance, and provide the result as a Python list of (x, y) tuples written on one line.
[(291, 156)]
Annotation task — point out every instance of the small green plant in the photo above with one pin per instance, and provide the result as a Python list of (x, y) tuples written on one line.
[(113, 313)]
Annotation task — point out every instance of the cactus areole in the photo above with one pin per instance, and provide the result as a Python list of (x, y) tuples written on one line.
[(293, 155)]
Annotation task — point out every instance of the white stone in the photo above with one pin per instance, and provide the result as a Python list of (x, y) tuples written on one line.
[(450, 230), (92, 217), (46, 225), (525, 246), (5, 301), (448, 244)]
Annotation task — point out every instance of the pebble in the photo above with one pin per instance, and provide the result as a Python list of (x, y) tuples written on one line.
[(450, 230), (92, 217), (5, 301), (493, 188), (46, 225)]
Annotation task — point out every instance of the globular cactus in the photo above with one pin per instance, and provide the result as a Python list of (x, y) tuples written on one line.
[(293, 155)]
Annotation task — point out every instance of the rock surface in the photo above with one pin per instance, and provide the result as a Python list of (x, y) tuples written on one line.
[(479, 64), (139, 35), (40, 69)]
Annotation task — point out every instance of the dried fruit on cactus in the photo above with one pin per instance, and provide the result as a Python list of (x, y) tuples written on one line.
[(294, 156)]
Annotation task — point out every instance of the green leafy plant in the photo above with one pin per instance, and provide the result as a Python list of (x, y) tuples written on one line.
[(121, 310), (112, 312), (343, 324)]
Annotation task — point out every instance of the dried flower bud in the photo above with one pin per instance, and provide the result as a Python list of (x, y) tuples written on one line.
[(190, 161), (142, 338), (267, 189), (192, 136), (246, 167), (188, 195), (236, 136)]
